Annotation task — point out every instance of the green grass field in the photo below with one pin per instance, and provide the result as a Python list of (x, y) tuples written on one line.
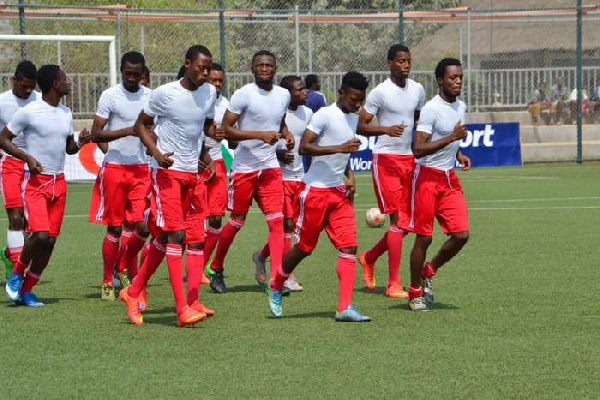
[(517, 315)]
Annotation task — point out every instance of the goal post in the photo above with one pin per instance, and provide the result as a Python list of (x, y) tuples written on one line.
[(112, 49)]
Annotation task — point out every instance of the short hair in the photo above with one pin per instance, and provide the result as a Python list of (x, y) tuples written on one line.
[(146, 72), (263, 53), (196, 50), (133, 57), (310, 80), (46, 76), (217, 67), (354, 80), (395, 49), (26, 69), (440, 69), (288, 81), (181, 72)]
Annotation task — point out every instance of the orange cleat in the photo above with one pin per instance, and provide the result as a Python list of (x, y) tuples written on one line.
[(143, 298), (198, 306), (395, 291), (133, 307), (204, 280), (368, 271), (189, 316)]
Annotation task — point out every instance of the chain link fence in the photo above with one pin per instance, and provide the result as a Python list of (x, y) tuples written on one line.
[(513, 58)]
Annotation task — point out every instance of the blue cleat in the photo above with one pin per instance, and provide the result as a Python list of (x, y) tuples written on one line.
[(30, 300), (13, 286), (275, 297), (351, 314)]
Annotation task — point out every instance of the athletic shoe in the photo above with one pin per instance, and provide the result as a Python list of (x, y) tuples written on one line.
[(198, 306), (30, 300), (124, 278), (259, 274), (217, 283), (419, 304), (395, 291), (285, 292), (108, 292), (427, 284), (143, 299), (204, 280), (275, 300), (368, 271), (13, 286), (7, 263), (189, 316), (133, 307), (351, 314), (292, 284)]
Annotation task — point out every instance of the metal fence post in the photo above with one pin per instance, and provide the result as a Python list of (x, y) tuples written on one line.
[(310, 44), (118, 35), (297, 23), (579, 80), (142, 37), (222, 43), (401, 20), (22, 27)]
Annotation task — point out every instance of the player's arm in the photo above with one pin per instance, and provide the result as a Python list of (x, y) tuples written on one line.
[(73, 145), (6, 144), (365, 129), (214, 132), (463, 160), (233, 133), (423, 146), (350, 182), (143, 129), (100, 135), (205, 162), (308, 147), (103, 147)]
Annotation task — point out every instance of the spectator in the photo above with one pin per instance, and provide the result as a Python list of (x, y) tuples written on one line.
[(573, 105), (538, 103), (314, 98), (558, 100), (594, 105)]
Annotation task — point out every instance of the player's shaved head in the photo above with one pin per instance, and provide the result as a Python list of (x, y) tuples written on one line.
[(196, 50), (263, 53)]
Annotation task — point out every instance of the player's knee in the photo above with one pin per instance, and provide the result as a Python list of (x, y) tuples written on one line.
[(238, 217), (115, 230), (461, 237), (195, 246), (16, 221), (215, 221), (142, 229), (288, 225), (41, 238), (51, 241), (176, 237), (423, 241), (349, 250)]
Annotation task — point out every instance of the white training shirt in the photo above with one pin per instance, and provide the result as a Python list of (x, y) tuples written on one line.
[(122, 108), (296, 122), (334, 127), (180, 121), (45, 129), (438, 118), (394, 105), (259, 110), (214, 146), (9, 104)]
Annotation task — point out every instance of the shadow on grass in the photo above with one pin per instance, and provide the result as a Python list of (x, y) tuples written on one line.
[(316, 314), (169, 320), (245, 288), (377, 290)]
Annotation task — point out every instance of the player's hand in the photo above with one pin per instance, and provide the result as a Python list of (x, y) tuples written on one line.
[(34, 165), (270, 137), (285, 156), (395, 130), (164, 160), (464, 161), (219, 134), (212, 171), (84, 138), (350, 146), (350, 190), (289, 141), (459, 132)]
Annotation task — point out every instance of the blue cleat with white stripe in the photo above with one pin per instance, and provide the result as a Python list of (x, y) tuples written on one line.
[(13, 286)]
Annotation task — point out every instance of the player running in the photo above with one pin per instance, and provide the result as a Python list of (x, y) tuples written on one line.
[(47, 127), (183, 110), (259, 110), (436, 190), (326, 203), (123, 184), (397, 103), (11, 168), (297, 118)]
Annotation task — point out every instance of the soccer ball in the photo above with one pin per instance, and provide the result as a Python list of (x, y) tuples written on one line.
[(375, 218)]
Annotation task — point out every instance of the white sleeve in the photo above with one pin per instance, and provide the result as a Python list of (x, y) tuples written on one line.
[(19, 122), (373, 102), (421, 102), (156, 103), (238, 102), (318, 123), (427, 120), (106, 105), (210, 114)]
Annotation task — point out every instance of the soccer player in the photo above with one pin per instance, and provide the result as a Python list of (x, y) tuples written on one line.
[(314, 98), (397, 103), (47, 127), (259, 110), (11, 168), (123, 184), (436, 190), (297, 118), (326, 203), (183, 110)]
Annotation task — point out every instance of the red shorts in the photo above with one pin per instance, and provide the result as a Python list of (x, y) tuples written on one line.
[(120, 194), (435, 194), (328, 209), (291, 198), (180, 202), (392, 176), (216, 191), (44, 199), (11, 175), (266, 186)]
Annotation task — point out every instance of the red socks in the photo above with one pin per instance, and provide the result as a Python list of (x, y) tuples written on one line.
[(125, 237), (133, 245), (175, 265), (194, 262), (30, 281), (279, 279), (394, 246), (414, 293), (377, 250), (110, 248), (212, 237), (19, 268), (287, 243), (231, 228), (345, 273), (156, 253), (275, 222), (428, 271)]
